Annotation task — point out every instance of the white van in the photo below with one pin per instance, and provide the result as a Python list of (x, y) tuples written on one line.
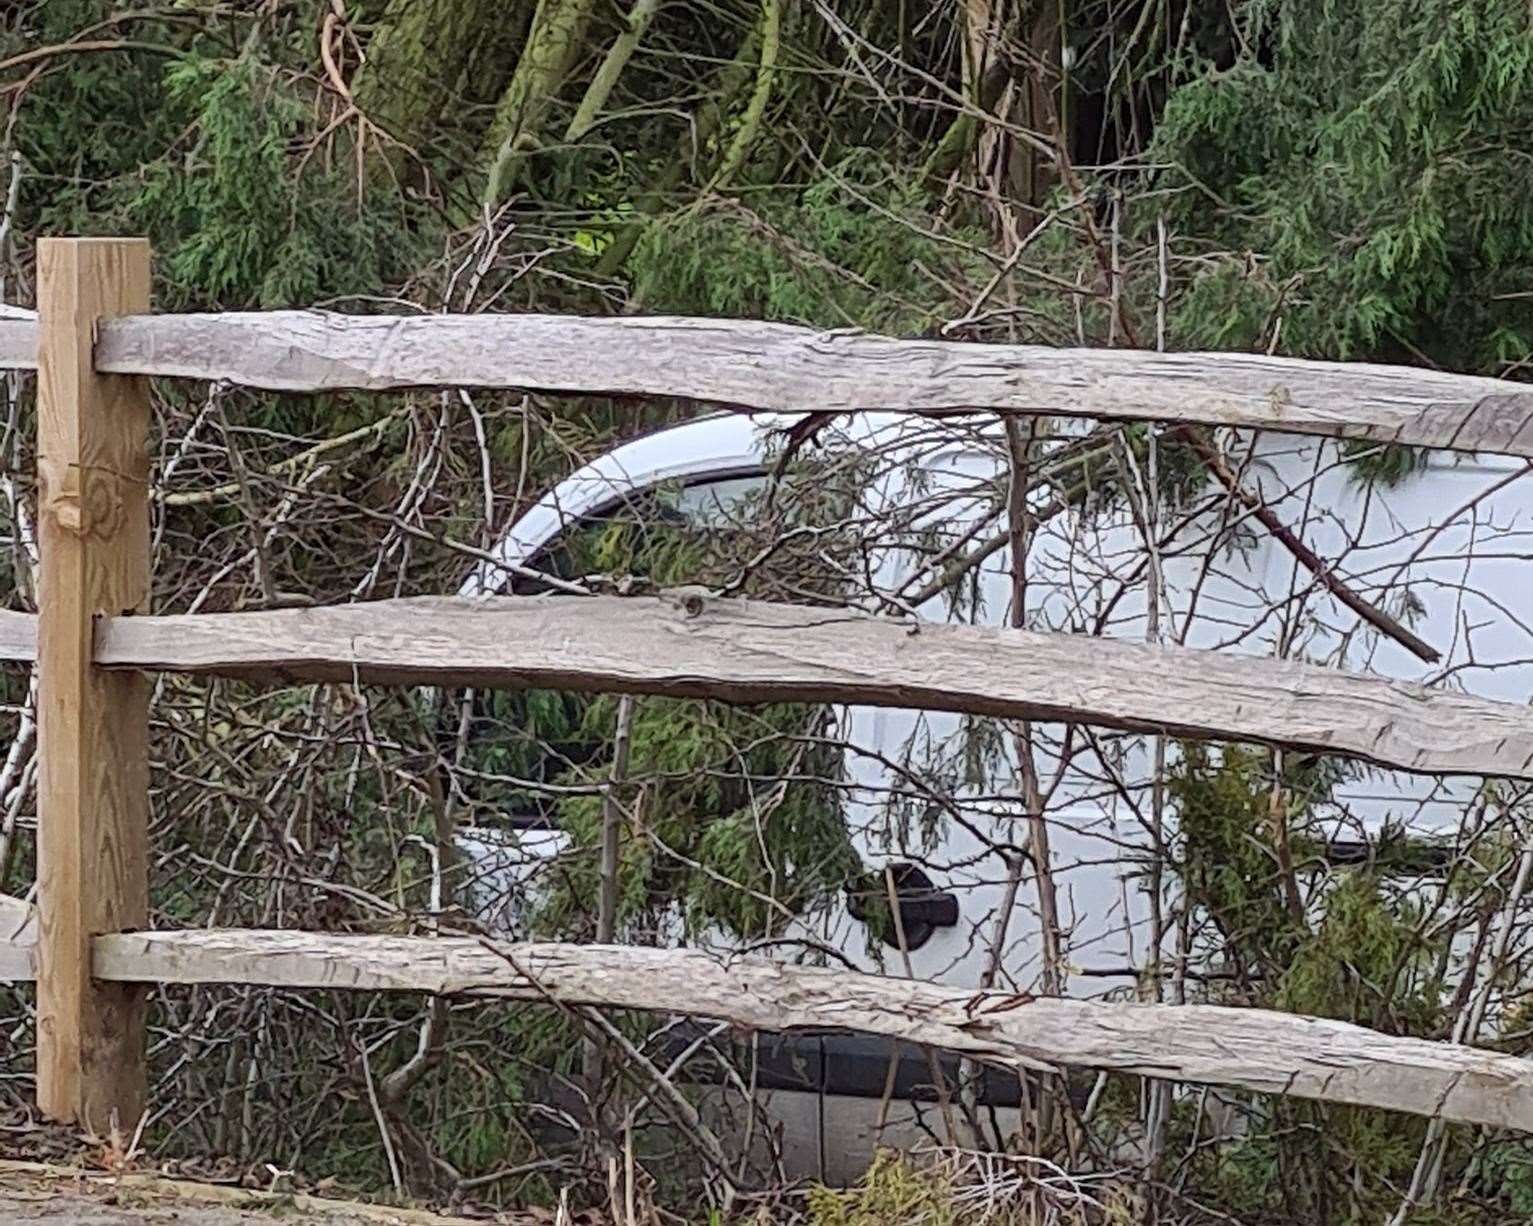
[(1444, 549)]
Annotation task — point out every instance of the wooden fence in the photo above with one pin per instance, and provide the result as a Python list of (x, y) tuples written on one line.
[(92, 342)]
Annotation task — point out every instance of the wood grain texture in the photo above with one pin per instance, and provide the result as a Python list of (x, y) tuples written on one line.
[(778, 366), (18, 940), (18, 637), (18, 919), (1254, 1049), (93, 762), (688, 644), (18, 961), (18, 341)]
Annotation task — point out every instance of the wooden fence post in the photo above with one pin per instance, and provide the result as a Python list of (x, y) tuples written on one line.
[(93, 768)]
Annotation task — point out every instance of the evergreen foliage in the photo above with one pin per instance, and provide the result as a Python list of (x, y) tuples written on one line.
[(853, 248), (1343, 179), (1363, 164)]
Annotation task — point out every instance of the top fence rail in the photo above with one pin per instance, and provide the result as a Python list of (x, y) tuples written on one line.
[(87, 944), (766, 366)]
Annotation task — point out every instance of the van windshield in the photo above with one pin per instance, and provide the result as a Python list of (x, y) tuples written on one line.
[(671, 534)]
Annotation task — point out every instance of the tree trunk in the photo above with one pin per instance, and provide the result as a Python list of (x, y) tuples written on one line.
[(1041, 105), (750, 123), (708, 121), (427, 64), (606, 78), (553, 44)]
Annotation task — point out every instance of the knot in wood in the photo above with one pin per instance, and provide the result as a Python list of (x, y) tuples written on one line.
[(84, 500), (692, 601)]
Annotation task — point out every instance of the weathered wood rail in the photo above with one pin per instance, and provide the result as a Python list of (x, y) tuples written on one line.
[(777, 366), (1256, 1049), (689, 644), (93, 342), (765, 366), (1253, 1049)]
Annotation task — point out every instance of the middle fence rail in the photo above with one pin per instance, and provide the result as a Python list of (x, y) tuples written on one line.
[(688, 643), (692, 642)]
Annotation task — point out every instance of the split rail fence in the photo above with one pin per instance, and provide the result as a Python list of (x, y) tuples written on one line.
[(93, 642)]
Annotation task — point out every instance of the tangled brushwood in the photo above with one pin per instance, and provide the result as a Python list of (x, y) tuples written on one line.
[(1310, 178)]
